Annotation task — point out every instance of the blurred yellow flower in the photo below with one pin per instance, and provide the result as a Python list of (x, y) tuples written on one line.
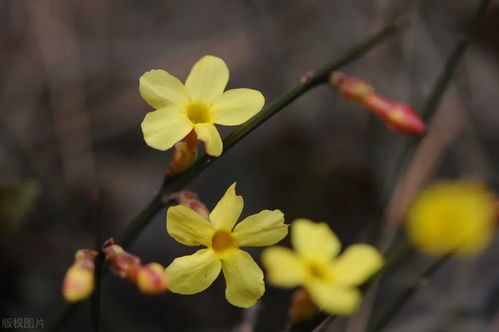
[(331, 280), (452, 216), (244, 279), (197, 105)]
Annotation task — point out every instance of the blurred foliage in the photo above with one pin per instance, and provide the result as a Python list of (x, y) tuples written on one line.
[(16, 202)]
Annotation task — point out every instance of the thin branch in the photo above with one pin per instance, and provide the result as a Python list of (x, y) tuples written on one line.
[(428, 111), (171, 185), (96, 206), (96, 295), (406, 295)]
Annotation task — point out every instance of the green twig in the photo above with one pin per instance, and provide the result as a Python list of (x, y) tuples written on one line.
[(96, 207), (406, 295), (97, 291), (171, 185)]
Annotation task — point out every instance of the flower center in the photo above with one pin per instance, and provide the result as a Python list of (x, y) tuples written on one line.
[(319, 272), (198, 113), (222, 241)]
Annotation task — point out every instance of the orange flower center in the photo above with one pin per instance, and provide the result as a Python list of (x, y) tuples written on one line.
[(222, 241), (198, 113)]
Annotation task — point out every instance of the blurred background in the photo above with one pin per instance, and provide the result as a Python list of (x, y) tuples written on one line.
[(70, 116)]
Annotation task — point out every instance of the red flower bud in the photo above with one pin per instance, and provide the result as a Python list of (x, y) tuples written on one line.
[(78, 282), (190, 200), (302, 307), (184, 154), (397, 116), (151, 279)]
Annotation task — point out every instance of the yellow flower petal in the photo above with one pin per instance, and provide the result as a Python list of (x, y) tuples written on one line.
[(244, 279), (334, 300), (284, 268), (236, 106), (357, 264), (165, 127), (188, 227), (207, 79), (225, 214), (207, 133), (261, 229), (160, 89), (314, 241), (193, 274)]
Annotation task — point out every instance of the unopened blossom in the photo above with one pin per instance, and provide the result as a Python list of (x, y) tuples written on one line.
[(150, 278), (78, 282), (190, 200), (184, 154), (397, 116), (302, 307), (197, 105), (452, 217), (222, 240), (332, 280)]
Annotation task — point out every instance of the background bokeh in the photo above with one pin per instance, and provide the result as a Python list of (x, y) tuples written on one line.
[(70, 118)]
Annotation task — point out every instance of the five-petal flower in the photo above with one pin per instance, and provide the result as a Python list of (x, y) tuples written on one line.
[(244, 278), (197, 105), (331, 281)]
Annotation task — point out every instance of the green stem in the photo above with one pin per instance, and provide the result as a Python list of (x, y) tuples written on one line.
[(96, 202), (406, 295), (96, 295), (171, 185)]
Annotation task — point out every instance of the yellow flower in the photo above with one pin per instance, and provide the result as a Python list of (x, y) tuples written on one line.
[(452, 216), (244, 279), (198, 105), (330, 280)]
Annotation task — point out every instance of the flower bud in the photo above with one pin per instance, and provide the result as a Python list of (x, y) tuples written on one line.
[(184, 154), (190, 200), (123, 263), (78, 282), (302, 307), (351, 88), (397, 116), (151, 279), (402, 118)]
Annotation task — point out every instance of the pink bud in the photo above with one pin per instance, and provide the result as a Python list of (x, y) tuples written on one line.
[(78, 282), (184, 154), (189, 199), (302, 307), (351, 88), (123, 263), (397, 116), (402, 118), (151, 279)]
